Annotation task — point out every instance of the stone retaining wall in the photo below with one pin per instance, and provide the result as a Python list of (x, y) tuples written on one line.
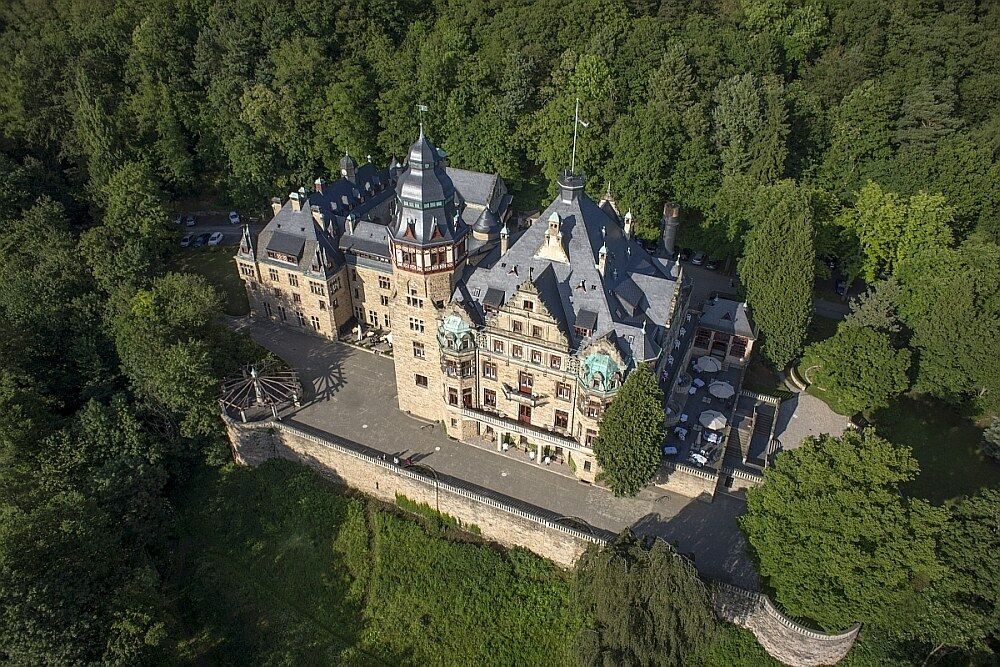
[(785, 640), (689, 481), (508, 525), (512, 526)]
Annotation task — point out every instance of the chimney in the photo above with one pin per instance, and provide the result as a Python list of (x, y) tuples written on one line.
[(318, 185), (629, 229), (296, 200), (669, 223), (317, 215), (504, 240), (350, 223), (570, 187), (602, 259), (275, 204)]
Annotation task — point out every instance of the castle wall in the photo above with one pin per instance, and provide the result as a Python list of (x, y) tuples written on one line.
[(255, 443), (783, 638)]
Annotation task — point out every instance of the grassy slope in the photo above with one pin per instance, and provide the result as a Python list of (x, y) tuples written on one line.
[(273, 565), (946, 445), (217, 265)]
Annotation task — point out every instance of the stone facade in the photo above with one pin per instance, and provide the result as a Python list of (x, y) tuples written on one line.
[(529, 355)]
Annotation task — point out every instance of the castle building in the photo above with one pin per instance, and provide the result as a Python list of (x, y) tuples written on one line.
[(515, 338)]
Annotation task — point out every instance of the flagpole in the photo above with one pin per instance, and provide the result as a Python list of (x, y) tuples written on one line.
[(576, 121)]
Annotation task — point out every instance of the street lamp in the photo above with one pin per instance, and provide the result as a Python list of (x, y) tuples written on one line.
[(437, 492)]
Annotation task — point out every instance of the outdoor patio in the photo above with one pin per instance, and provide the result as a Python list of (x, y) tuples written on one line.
[(707, 406)]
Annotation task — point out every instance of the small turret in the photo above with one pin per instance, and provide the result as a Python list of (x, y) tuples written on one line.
[(348, 167)]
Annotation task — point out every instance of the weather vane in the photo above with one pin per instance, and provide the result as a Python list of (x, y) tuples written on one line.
[(422, 109), (577, 121)]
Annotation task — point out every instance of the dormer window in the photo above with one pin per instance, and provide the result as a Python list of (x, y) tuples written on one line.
[(529, 305)]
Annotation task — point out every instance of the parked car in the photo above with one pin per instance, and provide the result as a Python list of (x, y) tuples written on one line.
[(178, 219), (215, 238), (185, 240), (189, 221), (234, 218), (684, 254), (841, 286), (199, 241), (712, 264), (699, 258)]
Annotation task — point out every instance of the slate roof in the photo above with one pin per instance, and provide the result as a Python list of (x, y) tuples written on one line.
[(299, 234), (429, 211), (728, 316), (573, 290)]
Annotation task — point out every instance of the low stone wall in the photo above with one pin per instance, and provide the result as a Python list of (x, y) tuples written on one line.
[(511, 526), (503, 522), (784, 639), (742, 480), (689, 481)]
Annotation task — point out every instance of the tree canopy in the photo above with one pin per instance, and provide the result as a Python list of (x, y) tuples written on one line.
[(858, 368), (628, 444), (644, 604), (834, 537)]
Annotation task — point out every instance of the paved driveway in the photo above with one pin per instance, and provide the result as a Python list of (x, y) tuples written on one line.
[(352, 393)]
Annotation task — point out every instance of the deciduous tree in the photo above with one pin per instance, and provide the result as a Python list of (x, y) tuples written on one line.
[(834, 537), (857, 369)]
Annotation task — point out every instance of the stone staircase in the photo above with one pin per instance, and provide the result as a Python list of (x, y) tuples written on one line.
[(763, 430)]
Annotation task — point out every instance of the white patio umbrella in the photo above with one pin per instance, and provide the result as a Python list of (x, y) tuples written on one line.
[(707, 364), (713, 419), (721, 389)]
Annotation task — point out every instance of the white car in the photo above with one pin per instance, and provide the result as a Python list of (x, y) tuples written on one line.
[(234, 218), (215, 238), (186, 241)]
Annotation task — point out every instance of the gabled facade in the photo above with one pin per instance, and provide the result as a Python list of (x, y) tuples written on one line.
[(515, 338)]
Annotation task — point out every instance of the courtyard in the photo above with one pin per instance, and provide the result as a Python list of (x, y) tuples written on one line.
[(352, 394)]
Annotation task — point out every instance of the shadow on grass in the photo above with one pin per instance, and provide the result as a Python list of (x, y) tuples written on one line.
[(946, 444), (262, 572)]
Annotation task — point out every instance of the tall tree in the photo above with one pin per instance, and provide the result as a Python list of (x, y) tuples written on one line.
[(834, 537), (136, 238), (963, 609), (891, 229), (644, 603), (777, 271), (858, 368), (631, 434), (950, 300), (751, 127)]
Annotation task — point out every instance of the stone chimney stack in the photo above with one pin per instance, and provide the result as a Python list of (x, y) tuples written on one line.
[(296, 199), (317, 215), (504, 240), (552, 247), (350, 223), (602, 260), (275, 204), (671, 220), (629, 227), (318, 185)]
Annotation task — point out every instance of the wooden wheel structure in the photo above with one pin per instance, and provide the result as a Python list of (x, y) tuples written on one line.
[(260, 389)]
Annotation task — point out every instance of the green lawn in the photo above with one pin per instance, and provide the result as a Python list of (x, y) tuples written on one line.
[(946, 445), (219, 268), (275, 565)]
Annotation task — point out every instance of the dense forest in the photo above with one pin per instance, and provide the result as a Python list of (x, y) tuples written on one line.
[(791, 133)]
